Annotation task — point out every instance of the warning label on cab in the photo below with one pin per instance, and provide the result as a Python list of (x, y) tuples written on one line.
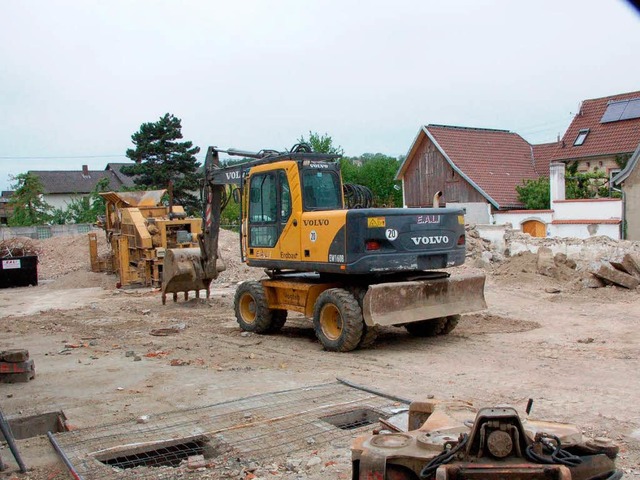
[(376, 222)]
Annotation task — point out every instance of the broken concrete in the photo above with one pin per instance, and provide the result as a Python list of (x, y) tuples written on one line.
[(629, 264), (610, 274)]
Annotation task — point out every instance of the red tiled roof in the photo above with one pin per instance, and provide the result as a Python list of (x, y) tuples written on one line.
[(622, 136), (609, 221), (542, 155), (495, 160)]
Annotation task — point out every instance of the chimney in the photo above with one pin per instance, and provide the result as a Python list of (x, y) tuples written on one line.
[(85, 171)]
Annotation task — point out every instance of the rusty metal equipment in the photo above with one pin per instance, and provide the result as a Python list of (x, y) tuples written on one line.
[(453, 440), (140, 229)]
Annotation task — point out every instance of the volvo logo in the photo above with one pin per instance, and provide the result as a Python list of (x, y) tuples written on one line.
[(430, 240)]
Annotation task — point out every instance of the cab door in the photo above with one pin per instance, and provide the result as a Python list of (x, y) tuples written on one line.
[(269, 211)]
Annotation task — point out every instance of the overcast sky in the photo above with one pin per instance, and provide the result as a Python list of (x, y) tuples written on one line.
[(77, 78)]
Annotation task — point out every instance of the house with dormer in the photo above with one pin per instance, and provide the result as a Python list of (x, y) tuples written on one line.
[(478, 169)]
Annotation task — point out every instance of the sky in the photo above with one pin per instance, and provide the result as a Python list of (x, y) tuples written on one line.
[(78, 78)]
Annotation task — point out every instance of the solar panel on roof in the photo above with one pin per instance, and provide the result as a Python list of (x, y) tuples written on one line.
[(614, 111), (621, 110), (632, 110)]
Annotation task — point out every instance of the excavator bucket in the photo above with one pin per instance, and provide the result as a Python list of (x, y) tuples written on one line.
[(183, 271), (387, 304)]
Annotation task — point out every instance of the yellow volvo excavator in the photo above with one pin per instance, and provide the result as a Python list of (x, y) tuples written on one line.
[(350, 269)]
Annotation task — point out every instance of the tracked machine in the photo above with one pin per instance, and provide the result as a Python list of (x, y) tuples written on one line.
[(352, 270)]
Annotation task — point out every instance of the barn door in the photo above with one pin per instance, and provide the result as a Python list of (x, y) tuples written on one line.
[(534, 228)]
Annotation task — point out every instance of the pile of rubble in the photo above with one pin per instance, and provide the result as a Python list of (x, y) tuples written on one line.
[(624, 272), (481, 250), (592, 263), (18, 247)]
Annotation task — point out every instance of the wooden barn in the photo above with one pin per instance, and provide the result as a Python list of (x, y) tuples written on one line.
[(476, 168)]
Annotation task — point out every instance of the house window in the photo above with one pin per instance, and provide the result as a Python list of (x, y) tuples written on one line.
[(582, 135), (612, 173)]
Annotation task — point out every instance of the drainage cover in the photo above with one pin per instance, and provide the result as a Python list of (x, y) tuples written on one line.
[(354, 418), (166, 454)]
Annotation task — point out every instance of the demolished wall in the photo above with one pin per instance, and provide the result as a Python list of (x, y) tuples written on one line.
[(591, 262)]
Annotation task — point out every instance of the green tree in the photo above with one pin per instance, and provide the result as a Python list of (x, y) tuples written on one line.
[(160, 159), (375, 171), (585, 185), (29, 208), (321, 143), (535, 194)]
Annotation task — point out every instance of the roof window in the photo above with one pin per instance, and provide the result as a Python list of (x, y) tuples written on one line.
[(582, 135)]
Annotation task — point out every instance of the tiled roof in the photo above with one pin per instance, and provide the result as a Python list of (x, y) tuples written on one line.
[(542, 155), (124, 179), (65, 181), (494, 160), (621, 136), (608, 221)]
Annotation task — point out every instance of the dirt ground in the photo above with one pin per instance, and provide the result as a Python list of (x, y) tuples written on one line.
[(575, 352)]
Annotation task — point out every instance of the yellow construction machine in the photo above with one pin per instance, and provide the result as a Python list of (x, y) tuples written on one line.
[(351, 270), (140, 229)]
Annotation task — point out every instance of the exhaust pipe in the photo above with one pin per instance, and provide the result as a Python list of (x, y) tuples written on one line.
[(436, 199)]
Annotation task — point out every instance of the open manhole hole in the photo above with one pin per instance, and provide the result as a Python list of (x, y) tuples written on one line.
[(353, 418), (161, 454), (35, 425)]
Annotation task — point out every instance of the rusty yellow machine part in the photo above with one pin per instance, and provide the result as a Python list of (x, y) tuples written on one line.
[(453, 440), (140, 229), (184, 272)]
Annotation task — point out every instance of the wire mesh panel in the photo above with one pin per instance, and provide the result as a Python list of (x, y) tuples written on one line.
[(257, 429)]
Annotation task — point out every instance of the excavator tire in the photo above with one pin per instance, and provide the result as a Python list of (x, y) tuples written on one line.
[(427, 328), (252, 310), (452, 322), (337, 320), (369, 333), (278, 319)]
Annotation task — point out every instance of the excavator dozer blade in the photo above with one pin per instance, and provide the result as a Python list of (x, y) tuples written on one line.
[(182, 271), (411, 301)]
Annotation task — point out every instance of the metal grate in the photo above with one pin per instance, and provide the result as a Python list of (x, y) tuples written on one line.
[(261, 429), (169, 455), (43, 233), (354, 419)]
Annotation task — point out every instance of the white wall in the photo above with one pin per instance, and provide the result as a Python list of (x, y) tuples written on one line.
[(494, 234), (60, 200), (477, 212), (517, 217), (585, 230), (592, 209)]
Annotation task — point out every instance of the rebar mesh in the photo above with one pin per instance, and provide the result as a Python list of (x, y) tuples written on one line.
[(257, 429)]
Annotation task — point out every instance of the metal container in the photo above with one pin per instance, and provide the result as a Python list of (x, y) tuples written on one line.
[(19, 271)]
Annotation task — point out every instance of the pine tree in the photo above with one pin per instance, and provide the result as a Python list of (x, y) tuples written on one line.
[(161, 159)]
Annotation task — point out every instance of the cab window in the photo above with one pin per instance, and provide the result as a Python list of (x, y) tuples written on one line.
[(263, 208), (321, 190), (285, 197)]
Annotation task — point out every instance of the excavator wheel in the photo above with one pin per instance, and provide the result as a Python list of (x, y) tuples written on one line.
[(252, 310), (427, 328), (337, 320), (278, 319), (452, 322)]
